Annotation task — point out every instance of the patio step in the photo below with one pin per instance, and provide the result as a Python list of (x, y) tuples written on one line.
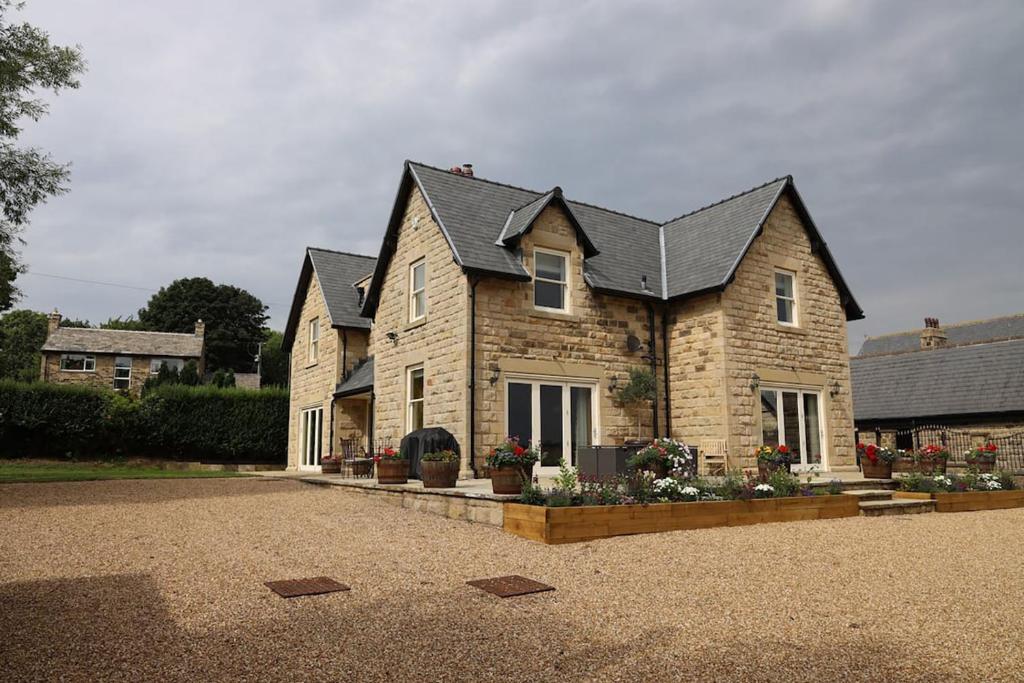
[(879, 508), (870, 494)]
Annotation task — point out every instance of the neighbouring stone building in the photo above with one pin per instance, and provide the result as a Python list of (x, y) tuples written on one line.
[(116, 359), (962, 384), (494, 310)]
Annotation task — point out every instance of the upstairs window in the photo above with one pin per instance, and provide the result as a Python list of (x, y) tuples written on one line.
[(122, 372), (77, 362), (785, 297), (314, 340), (550, 280), (417, 290)]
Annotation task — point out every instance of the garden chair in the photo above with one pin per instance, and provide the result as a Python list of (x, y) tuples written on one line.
[(713, 453), (354, 461)]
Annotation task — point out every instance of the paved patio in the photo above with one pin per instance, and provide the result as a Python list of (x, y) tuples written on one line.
[(163, 580)]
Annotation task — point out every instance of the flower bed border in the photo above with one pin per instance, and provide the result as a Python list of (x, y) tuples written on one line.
[(586, 523), (968, 501)]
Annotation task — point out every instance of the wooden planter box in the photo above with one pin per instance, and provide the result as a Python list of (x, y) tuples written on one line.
[(574, 524), (969, 501)]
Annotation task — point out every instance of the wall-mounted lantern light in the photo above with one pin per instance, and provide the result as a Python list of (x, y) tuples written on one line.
[(755, 382)]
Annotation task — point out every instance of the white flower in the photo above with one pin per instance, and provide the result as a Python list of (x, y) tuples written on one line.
[(944, 481), (690, 491), (765, 487)]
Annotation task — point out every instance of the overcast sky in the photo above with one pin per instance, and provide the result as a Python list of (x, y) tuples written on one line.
[(220, 138)]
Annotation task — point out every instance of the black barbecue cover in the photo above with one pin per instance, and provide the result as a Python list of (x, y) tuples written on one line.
[(429, 440)]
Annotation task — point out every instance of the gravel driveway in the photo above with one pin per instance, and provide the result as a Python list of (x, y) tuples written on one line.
[(162, 580)]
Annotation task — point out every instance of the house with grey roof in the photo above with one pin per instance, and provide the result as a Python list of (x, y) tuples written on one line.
[(494, 310), (116, 359), (962, 380)]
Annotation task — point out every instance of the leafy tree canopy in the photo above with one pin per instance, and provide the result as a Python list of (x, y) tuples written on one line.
[(22, 334), (234, 319), (28, 176), (273, 361), (74, 322)]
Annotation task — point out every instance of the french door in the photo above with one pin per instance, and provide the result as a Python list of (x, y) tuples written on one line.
[(792, 417), (556, 416), (310, 438)]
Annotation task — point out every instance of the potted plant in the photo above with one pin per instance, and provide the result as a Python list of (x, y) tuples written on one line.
[(510, 465), (875, 461), (771, 458), (440, 469), (661, 457), (637, 393), (932, 459), (392, 467), (904, 462), (982, 458), (330, 464)]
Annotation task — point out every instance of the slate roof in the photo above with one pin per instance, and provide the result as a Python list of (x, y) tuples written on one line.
[(626, 255), (359, 381), (338, 272), (963, 380), (124, 342), (958, 334)]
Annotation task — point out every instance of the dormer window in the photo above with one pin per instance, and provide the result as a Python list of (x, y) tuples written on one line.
[(551, 280)]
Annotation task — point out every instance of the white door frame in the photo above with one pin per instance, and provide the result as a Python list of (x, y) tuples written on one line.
[(307, 428), (567, 384), (800, 391)]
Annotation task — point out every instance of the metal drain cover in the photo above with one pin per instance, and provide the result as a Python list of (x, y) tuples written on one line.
[(509, 586), (293, 588)]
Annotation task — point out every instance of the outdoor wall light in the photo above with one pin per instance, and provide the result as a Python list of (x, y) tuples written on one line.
[(392, 337), (755, 382), (834, 389), (613, 384), (495, 374)]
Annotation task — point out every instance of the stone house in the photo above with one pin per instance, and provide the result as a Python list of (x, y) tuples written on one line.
[(116, 359), (493, 310), (962, 383)]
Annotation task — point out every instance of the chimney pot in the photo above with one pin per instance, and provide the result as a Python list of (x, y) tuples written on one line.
[(457, 170), (467, 169), (200, 328), (53, 321)]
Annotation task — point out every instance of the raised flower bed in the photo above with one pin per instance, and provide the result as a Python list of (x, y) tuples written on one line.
[(963, 493)]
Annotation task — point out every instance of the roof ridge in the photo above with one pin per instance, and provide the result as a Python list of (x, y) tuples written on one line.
[(933, 352), (730, 198), (343, 253), (112, 329), (963, 323), (536, 192), (535, 199)]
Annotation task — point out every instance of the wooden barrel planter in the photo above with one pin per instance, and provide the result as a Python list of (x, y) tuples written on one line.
[(932, 466), (330, 466), (905, 465), (508, 480), (876, 470), (438, 474), (983, 466), (390, 471)]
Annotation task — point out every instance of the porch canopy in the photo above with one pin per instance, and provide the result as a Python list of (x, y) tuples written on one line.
[(359, 381)]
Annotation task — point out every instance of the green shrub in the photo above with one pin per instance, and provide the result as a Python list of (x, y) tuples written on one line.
[(173, 421)]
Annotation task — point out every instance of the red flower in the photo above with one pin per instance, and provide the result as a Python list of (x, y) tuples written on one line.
[(783, 449), (389, 452), (872, 453), (518, 450), (991, 448)]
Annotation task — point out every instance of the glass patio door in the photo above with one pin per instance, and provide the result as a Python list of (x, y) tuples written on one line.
[(792, 417), (555, 416), (310, 437)]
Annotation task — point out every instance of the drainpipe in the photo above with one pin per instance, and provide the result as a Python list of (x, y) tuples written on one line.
[(654, 364), (330, 447), (664, 350), (344, 354), (472, 374)]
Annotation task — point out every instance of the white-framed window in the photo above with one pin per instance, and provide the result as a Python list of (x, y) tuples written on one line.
[(314, 340), (793, 417), (171, 363), (785, 297), (551, 280), (311, 426), (123, 372), (414, 386), (77, 362), (417, 290)]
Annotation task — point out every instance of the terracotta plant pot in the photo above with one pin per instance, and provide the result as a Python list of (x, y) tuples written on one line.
[(438, 474), (764, 469), (330, 466), (390, 471), (877, 470), (508, 480)]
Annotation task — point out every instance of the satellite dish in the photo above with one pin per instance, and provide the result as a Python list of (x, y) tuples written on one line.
[(633, 343)]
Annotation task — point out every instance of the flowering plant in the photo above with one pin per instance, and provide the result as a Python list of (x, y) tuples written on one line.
[(675, 456), (986, 453), (672, 489), (446, 455), (512, 454), (875, 454), (957, 483), (764, 491), (775, 455), (931, 452), (388, 454)]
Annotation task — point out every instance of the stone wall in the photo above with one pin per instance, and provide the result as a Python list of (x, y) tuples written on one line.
[(438, 342), (103, 376), (814, 354), (588, 343)]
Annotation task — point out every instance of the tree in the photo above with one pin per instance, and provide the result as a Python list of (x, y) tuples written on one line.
[(74, 322), (273, 361), (28, 176), (234, 319), (120, 323), (638, 392), (22, 334)]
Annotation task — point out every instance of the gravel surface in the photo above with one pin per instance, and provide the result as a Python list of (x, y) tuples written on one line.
[(163, 580)]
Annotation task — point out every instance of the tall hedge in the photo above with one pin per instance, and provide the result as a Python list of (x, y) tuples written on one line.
[(180, 422)]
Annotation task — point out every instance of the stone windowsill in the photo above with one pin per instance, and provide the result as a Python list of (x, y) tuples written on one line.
[(551, 315), (416, 323)]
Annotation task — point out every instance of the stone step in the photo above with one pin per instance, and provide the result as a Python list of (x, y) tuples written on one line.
[(879, 508), (870, 494)]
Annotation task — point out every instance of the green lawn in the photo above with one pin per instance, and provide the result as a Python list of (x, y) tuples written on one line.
[(15, 471)]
